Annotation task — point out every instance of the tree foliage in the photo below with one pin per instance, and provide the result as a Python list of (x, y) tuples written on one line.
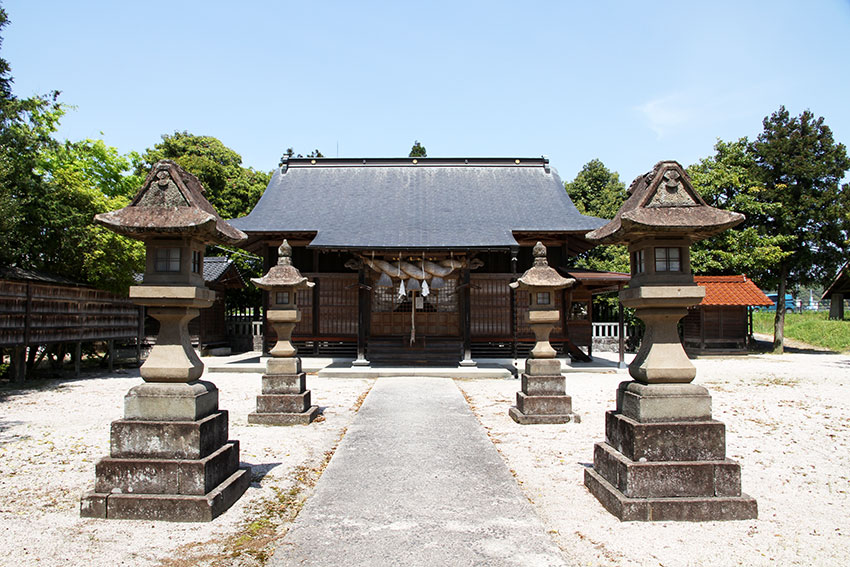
[(418, 150), (232, 189), (729, 180), (801, 168), (597, 191), (50, 192)]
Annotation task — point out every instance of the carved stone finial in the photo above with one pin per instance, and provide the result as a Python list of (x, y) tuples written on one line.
[(539, 253), (284, 254)]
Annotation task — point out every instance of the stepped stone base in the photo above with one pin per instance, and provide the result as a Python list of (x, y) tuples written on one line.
[(691, 509), (285, 399), (664, 458), (542, 399), (179, 471)]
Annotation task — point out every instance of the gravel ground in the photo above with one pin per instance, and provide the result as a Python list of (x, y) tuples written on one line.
[(786, 423)]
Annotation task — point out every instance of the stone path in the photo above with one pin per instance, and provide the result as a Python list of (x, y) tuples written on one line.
[(415, 481)]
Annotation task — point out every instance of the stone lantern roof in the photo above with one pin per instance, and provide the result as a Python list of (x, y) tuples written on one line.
[(664, 201), (284, 275), (171, 202), (541, 275)]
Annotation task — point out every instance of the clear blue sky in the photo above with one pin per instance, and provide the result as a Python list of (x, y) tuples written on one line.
[(627, 82)]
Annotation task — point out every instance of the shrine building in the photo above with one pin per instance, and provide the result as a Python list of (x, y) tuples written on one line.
[(412, 257)]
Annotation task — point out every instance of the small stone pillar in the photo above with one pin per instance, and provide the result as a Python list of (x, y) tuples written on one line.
[(542, 398), (170, 457), (285, 399), (664, 457)]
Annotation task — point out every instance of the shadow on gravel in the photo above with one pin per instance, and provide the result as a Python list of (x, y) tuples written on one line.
[(259, 472), (766, 347)]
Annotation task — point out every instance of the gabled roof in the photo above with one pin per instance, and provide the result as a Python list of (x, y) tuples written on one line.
[(841, 283), (170, 202), (664, 201), (422, 203), (731, 291)]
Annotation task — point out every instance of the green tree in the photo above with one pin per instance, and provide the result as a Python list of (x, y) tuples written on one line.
[(800, 167), (418, 150), (232, 189), (50, 192), (729, 180), (598, 191)]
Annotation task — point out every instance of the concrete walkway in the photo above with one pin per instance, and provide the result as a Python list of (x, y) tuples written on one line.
[(415, 481)]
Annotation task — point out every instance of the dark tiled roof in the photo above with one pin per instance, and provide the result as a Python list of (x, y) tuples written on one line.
[(215, 266), (434, 203), (731, 290), (18, 274)]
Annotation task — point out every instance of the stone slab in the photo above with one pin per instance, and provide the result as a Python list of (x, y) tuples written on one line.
[(524, 419), (283, 403), (543, 367), (168, 507), (171, 401), (167, 476), (692, 509), (291, 365), (546, 385), (416, 482), (666, 441), (168, 439), (544, 405), (663, 402), (667, 479), (284, 383), (304, 418)]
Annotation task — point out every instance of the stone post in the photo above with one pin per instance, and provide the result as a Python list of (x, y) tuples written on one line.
[(170, 457), (664, 457), (542, 398), (285, 399)]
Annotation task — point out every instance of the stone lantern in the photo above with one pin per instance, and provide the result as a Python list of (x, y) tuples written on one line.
[(664, 457), (285, 399), (542, 399), (170, 458)]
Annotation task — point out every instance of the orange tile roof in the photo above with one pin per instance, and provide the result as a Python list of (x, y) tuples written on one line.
[(731, 290)]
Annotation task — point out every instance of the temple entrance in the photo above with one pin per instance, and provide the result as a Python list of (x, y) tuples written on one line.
[(415, 328)]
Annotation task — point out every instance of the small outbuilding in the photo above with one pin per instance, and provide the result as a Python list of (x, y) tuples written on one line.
[(721, 323), (837, 292)]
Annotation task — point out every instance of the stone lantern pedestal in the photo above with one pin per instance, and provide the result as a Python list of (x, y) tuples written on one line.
[(285, 399), (170, 457), (542, 398), (664, 457)]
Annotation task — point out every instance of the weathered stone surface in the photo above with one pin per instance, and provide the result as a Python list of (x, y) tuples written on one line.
[(663, 402), (693, 509), (169, 507), (283, 403), (165, 401), (666, 441), (552, 385), (303, 418), (542, 367), (284, 383), (544, 405), (283, 366), (168, 439), (667, 479), (524, 419), (166, 476)]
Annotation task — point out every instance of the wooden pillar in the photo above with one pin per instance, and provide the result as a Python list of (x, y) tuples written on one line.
[(514, 252), (78, 358), (19, 364), (466, 315), (110, 352), (362, 313), (836, 306)]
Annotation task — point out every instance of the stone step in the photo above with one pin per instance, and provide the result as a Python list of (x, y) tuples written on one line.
[(133, 438), (666, 441), (283, 403), (167, 476)]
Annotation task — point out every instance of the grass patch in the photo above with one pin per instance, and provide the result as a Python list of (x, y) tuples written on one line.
[(813, 328)]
